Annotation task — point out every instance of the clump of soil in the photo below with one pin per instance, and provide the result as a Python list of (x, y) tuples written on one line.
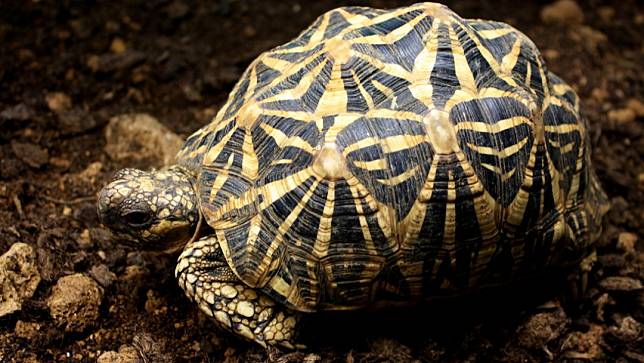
[(68, 68)]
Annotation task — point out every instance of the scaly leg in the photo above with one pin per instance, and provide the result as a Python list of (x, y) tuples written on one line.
[(206, 278)]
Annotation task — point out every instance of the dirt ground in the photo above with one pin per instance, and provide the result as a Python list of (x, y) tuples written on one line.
[(67, 67)]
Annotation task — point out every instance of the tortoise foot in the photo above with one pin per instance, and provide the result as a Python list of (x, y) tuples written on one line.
[(207, 279)]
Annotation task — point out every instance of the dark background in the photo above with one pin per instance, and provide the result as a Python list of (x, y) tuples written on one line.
[(177, 61)]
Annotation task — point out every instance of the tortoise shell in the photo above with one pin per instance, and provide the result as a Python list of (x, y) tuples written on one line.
[(394, 155)]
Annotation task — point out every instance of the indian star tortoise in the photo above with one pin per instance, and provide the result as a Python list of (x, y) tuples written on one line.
[(381, 157)]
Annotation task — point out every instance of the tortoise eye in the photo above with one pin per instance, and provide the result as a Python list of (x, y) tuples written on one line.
[(137, 218)]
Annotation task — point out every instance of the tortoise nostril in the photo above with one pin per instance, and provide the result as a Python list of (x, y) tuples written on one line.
[(136, 218)]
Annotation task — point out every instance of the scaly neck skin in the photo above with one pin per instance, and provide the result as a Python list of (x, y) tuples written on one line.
[(156, 211)]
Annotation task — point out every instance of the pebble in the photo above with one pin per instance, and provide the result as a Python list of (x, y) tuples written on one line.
[(564, 12), (599, 94), (19, 112), (150, 349), (19, 277), (155, 303), (589, 37), (636, 105), (118, 46), (626, 241), (92, 171), (58, 102), (141, 137), (584, 345), (110, 62), (620, 284), (627, 330), (60, 162), (77, 121), (126, 354), (640, 181), (75, 301), (622, 115), (177, 10), (551, 54), (84, 240), (606, 13), (30, 154), (102, 274), (541, 328)]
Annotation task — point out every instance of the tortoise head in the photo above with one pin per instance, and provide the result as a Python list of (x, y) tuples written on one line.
[(150, 210)]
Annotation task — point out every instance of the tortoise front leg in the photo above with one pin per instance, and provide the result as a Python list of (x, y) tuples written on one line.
[(206, 278)]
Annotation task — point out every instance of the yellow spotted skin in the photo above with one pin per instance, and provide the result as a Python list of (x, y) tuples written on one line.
[(206, 278), (150, 210)]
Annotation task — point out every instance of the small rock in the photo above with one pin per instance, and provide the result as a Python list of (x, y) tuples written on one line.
[(638, 19), (134, 273), (584, 345), (19, 277), (60, 162), (150, 349), (626, 241), (627, 330), (637, 106), (622, 115), (640, 181), (91, 171), (102, 255), (102, 274), (155, 303), (177, 10), (74, 302), (541, 328), (126, 354), (76, 121), (564, 12), (620, 284), (19, 112), (84, 241), (30, 154), (551, 54), (589, 37), (27, 330), (141, 137), (606, 13), (111, 62), (118, 46), (67, 211), (58, 102), (599, 94), (249, 31)]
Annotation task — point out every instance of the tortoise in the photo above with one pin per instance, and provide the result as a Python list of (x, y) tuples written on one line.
[(381, 157)]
